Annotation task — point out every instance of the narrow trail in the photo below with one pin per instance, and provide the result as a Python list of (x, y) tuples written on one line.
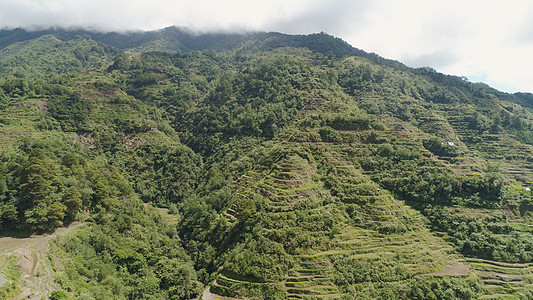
[(207, 295), (30, 252), (39, 242)]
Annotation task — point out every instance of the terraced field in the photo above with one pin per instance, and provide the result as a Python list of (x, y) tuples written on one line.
[(502, 280), (513, 157), (376, 227), (17, 121), (380, 227), (363, 178)]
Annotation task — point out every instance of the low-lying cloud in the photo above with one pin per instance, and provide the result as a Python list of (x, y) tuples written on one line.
[(477, 39)]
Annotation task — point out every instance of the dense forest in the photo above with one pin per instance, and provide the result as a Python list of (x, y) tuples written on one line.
[(259, 166)]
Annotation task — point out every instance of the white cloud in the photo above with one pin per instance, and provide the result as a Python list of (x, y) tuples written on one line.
[(492, 40)]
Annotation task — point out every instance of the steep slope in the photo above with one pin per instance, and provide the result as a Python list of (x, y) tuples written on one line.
[(297, 167), (327, 234), (48, 54)]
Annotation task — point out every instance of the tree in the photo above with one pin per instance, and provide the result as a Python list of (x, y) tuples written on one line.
[(246, 211), (58, 295), (36, 179), (178, 278), (72, 200), (38, 204), (44, 217), (3, 182), (8, 214)]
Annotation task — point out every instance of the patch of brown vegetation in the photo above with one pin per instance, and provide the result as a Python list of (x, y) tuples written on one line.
[(454, 268), (314, 103), (108, 93), (86, 140), (41, 104), (132, 142)]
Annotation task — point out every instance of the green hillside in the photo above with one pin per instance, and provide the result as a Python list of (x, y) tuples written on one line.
[(47, 54), (282, 167)]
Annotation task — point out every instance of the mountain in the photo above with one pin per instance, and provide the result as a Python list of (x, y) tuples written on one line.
[(174, 39), (47, 54), (256, 165)]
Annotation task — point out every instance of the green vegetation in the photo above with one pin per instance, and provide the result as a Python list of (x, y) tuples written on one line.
[(262, 166), (128, 251), (11, 275)]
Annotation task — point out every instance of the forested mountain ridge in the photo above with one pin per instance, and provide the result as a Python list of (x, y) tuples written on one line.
[(180, 39), (291, 166)]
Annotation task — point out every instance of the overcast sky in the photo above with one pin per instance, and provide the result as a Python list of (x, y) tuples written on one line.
[(488, 41)]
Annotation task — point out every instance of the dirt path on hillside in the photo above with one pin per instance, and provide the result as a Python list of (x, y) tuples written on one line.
[(39, 242), (37, 279), (207, 295)]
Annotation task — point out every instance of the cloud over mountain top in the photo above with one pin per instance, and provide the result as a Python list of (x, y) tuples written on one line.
[(483, 41)]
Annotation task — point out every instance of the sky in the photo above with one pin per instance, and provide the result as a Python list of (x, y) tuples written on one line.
[(485, 41)]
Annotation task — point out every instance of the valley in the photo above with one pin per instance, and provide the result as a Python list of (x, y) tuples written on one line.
[(255, 166)]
